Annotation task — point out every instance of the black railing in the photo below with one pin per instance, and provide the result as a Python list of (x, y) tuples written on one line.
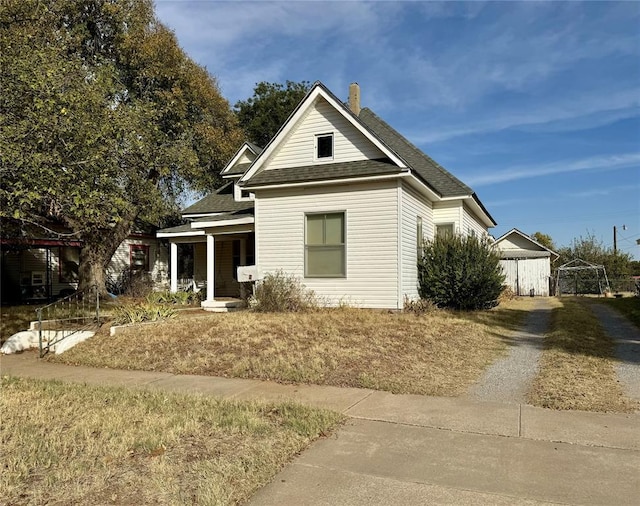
[(67, 316)]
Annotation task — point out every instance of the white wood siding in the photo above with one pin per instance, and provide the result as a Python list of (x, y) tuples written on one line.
[(524, 274), (449, 211), (470, 222), (297, 149), (246, 157), (371, 221), (158, 258), (515, 242), (413, 205)]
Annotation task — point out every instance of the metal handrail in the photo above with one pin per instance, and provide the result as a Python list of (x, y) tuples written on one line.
[(69, 299)]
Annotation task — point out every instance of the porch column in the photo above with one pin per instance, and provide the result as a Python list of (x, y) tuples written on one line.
[(173, 258), (211, 265)]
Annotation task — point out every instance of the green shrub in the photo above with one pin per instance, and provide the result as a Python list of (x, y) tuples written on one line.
[(281, 292), (138, 313), (460, 272)]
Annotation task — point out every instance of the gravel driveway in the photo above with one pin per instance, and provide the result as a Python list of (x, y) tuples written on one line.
[(627, 339), (508, 379)]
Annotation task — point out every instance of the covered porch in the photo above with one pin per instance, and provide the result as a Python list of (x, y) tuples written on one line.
[(217, 246)]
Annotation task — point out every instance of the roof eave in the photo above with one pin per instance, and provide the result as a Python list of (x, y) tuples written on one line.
[(325, 182)]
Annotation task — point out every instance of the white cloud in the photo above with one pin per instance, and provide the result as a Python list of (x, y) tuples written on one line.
[(599, 163)]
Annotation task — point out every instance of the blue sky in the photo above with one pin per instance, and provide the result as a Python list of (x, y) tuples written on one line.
[(536, 105)]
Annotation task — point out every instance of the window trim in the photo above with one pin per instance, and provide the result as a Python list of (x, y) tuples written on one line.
[(315, 147), (344, 246), (140, 247), (419, 236)]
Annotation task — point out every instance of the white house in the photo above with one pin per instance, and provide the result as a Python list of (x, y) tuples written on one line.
[(37, 267), (526, 263), (338, 198)]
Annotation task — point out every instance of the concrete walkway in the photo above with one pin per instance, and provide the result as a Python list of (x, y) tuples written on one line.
[(508, 379), (407, 449), (627, 339)]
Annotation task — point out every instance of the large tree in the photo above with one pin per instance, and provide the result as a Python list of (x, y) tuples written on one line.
[(544, 239), (262, 115), (103, 121)]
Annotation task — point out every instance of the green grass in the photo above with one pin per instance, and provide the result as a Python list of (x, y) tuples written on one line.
[(78, 444), (627, 306), (576, 369)]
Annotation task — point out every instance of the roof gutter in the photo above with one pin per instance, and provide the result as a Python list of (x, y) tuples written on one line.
[(222, 223)]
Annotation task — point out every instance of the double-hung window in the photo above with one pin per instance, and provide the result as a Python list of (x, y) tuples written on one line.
[(324, 248)]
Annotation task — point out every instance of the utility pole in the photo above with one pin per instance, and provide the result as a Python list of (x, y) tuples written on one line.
[(615, 238)]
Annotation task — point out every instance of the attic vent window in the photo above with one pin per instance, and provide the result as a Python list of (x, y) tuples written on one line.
[(324, 147)]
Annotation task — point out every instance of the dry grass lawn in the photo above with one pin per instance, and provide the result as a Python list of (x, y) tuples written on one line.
[(576, 368), (76, 444), (438, 353)]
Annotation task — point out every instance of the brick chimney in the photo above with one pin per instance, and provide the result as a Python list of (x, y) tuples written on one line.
[(354, 98)]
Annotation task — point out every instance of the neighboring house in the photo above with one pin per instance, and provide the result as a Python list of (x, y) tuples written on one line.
[(337, 198), (37, 268), (526, 263)]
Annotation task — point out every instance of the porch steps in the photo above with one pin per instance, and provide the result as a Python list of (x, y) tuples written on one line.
[(223, 305)]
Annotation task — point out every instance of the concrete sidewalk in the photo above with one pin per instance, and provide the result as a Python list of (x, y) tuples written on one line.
[(408, 449)]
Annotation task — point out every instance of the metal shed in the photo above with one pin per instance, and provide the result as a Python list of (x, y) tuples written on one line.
[(526, 263)]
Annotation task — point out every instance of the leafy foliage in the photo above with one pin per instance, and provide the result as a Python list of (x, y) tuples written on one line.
[(282, 292), (139, 313), (590, 249), (544, 239), (262, 115), (103, 120), (175, 298), (460, 272)]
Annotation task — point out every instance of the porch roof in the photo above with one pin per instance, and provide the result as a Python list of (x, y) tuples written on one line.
[(196, 227)]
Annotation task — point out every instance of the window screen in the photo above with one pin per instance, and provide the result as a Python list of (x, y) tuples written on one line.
[(325, 245)]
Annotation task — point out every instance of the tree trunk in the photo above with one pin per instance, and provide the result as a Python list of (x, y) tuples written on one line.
[(96, 253)]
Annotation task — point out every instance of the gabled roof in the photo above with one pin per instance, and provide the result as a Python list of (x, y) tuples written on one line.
[(512, 253), (433, 174), (233, 168), (222, 200), (317, 90), (398, 151)]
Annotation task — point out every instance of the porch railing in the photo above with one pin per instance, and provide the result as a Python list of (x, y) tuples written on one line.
[(65, 317)]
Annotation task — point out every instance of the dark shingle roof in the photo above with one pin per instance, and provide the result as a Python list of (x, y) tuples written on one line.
[(239, 169), (255, 148), (431, 172), (218, 202), (243, 213), (325, 171), (178, 229)]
